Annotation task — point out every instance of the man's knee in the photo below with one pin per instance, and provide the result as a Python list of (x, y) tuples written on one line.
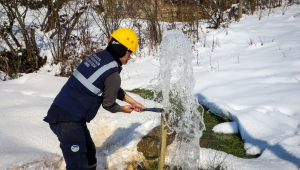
[(75, 156), (91, 148)]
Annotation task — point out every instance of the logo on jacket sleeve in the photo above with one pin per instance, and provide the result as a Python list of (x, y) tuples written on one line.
[(75, 148)]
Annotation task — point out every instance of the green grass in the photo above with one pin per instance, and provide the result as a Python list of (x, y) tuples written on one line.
[(229, 143)]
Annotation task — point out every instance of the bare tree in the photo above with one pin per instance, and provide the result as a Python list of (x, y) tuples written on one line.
[(4, 67), (215, 10), (59, 23), (154, 31), (109, 15), (240, 9), (193, 11), (22, 54)]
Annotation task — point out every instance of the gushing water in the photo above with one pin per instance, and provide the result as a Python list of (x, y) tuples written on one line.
[(176, 84)]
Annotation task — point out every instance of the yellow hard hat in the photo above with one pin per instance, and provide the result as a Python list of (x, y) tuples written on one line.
[(126, 37)]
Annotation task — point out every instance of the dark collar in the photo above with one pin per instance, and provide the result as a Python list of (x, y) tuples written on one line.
[(116, 59)]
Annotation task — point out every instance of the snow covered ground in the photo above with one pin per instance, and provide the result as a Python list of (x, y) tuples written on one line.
[(252, 77)]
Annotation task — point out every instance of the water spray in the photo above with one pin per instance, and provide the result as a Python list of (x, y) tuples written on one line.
[(176, 84)]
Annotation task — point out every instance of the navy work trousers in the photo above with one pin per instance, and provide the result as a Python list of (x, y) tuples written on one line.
[(76, 144)]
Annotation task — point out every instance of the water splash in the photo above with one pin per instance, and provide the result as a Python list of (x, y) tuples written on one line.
[(176, 83)]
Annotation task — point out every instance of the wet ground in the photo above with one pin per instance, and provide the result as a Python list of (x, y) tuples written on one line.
[(229, 143)]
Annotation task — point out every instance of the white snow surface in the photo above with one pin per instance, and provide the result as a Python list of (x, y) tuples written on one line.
[(256, 85), (227, 128)]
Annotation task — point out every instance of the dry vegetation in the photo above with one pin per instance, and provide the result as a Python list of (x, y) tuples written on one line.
[(62, 26)]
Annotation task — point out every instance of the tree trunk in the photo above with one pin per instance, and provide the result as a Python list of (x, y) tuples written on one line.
[(240, 9)]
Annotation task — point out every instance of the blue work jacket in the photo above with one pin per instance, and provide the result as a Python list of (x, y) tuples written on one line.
[(81, 95)]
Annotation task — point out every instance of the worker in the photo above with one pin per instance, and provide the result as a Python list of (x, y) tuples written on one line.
[(95, 82)]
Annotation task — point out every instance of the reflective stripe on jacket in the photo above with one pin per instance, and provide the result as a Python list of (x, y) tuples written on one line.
[(81, 95)]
